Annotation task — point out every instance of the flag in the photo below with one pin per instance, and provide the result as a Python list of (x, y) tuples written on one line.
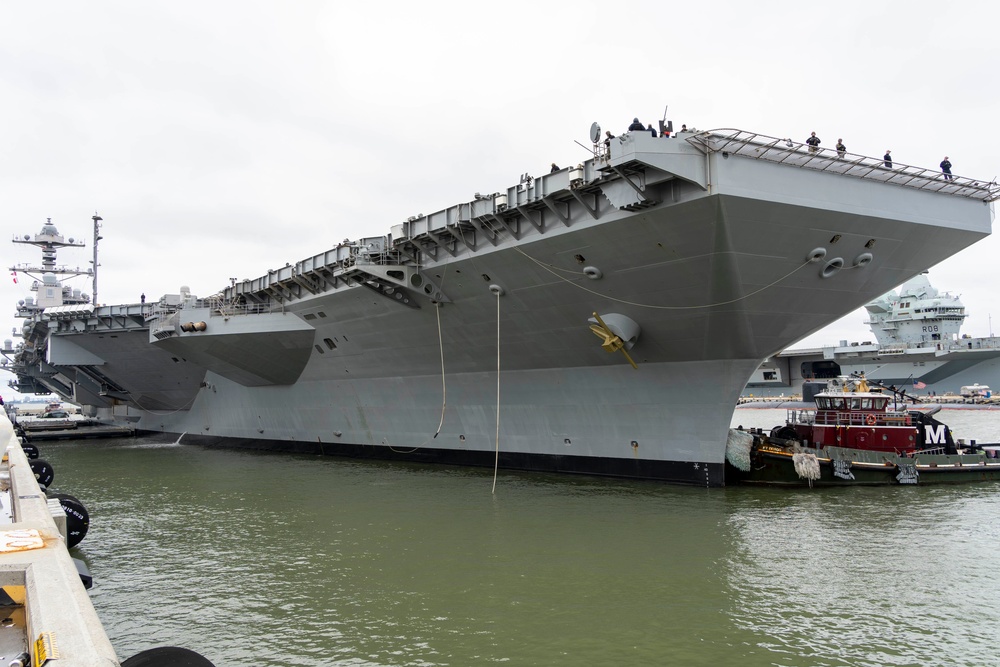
[(14, 274), (917, 384)]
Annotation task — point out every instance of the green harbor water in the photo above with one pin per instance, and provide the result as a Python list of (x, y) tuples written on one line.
[(268, 559)]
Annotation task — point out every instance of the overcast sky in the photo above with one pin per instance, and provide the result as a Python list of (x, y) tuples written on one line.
[(221, 139)]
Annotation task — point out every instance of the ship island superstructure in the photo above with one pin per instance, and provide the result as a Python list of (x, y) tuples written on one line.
[(601, 319)]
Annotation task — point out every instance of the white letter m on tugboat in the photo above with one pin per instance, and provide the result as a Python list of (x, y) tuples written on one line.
[(935, 435)]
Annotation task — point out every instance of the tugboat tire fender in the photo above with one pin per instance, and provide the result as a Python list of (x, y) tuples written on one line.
[(784, 432)]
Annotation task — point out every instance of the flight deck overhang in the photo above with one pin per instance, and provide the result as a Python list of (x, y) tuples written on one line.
[(253, 350)]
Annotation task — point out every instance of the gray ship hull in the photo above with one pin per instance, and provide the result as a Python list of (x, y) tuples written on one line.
[(479, 318), (656, 426)]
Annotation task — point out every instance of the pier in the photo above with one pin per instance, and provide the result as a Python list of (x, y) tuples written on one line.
[(37, 434), (51, 615)]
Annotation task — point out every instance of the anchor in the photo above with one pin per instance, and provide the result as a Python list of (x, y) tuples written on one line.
[(611, 338)]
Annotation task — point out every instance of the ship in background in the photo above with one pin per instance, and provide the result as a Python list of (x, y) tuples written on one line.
[(917, 345), (602, 319)]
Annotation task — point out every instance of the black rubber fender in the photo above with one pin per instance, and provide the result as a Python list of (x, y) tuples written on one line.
[(167, 656), (784, 432), (43, 471), (77, 518), (86, 578), (29, 450)]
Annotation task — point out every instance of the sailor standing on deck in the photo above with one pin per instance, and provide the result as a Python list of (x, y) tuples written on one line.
[(636, 126), (887, 159), (946, 168), (813, 142)]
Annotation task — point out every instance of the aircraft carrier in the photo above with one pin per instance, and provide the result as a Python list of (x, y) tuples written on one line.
[(915, 344), (601, 319)]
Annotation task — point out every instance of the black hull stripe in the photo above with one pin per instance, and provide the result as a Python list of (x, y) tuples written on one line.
[(673, 472)]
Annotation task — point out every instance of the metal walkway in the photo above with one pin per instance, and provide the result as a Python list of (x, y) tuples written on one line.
[(786, 151)]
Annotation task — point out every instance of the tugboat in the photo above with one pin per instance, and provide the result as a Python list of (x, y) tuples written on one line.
[(858, 435)]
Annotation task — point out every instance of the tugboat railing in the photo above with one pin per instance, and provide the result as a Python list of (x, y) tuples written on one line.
[(730, 141), (862, 418)]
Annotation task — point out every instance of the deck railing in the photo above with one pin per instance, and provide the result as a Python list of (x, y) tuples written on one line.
[(837, 418), (785, 151)]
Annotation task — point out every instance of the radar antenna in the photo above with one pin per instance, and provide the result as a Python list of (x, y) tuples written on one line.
[(97, 237)]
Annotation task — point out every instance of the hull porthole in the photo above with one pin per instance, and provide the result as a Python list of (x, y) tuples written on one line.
[(593, 272), (864, 259)]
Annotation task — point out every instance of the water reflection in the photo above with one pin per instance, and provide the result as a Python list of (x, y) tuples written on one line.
[(882, 576), (265, 559)]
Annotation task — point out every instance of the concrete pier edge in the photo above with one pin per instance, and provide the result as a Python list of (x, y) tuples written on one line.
[(56, 603)]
